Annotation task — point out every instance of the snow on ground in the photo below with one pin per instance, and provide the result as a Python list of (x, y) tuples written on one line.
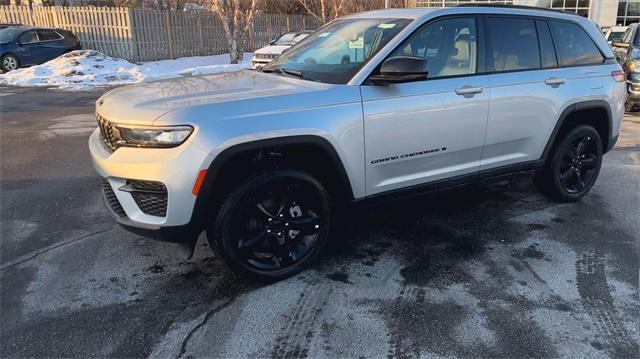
[(84, 69)]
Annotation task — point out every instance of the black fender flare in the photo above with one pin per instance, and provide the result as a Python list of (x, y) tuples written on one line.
[(579, 106), (207, 188)]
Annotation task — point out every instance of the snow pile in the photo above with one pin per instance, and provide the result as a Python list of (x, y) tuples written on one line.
[(84, 69)]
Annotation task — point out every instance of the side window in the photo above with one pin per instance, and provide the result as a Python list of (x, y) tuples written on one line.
[(575, 47), (47, 35), (29, 36), (547, 51), (514, 44), (448, 45)]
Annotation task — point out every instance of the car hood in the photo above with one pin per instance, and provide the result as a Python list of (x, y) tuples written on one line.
[(274, 49), (144, 103)]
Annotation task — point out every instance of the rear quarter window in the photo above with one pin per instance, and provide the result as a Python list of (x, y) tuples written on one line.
[(575, 47)]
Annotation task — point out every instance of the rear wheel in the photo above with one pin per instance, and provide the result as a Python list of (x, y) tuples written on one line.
[(9, 62), (273, 225), (573, 167)]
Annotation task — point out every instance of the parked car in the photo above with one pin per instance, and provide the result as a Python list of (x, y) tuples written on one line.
[(615, 33), (627, 51), (264, 55), (374, 106), (6, 25), (24, 46)]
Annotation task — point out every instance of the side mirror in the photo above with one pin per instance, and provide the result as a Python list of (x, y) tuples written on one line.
[(620, 44), (272, 42), (399, 69)]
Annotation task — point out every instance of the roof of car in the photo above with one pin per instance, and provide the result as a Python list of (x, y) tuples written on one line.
[(418, 13)]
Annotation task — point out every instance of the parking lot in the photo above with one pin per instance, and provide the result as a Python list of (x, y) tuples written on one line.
[(494, 270)]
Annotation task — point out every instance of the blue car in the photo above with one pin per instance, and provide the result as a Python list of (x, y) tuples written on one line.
[(24, 46)]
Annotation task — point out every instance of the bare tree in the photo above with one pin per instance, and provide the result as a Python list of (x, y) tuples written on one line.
[(323, 9), (237, 17)]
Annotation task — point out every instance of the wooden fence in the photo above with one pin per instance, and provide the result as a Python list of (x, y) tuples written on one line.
[(147, 34)]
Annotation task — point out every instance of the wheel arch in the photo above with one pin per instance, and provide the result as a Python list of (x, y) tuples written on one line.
[(593, 112), (220, 165)]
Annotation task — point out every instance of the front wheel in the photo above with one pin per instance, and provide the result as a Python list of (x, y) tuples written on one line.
[(573, 167), (273, 225)]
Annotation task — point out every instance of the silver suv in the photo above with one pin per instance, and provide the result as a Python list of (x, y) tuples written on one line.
[(370, 106)]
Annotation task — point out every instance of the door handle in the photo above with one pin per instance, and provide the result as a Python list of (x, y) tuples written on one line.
[(554, 81), (468, 90)]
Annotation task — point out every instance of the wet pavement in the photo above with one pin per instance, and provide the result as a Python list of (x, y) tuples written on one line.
[(494, 270)]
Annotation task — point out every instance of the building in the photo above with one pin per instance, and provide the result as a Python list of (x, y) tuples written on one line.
[(603, 12)]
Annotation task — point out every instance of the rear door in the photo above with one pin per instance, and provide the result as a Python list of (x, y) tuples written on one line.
[(539, 68), (525, 89), (429, 130), (29, 51), (52, 44)]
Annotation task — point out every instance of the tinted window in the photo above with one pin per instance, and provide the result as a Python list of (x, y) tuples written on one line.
[(547, 51), (575, 47), (514, 44), (46, 35), (29, 36), (448, 45), (637, 38)]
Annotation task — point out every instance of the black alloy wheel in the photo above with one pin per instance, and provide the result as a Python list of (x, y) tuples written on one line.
[(274, 224), (574, 165), (578, 166)]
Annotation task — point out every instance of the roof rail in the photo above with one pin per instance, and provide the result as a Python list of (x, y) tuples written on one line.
[(524, 7)]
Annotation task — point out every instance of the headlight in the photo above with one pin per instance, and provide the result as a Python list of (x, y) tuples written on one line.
[(154, 137), (634, 66)]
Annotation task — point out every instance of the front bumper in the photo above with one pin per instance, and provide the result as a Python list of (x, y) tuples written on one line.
[(259, 63), (176, 168)]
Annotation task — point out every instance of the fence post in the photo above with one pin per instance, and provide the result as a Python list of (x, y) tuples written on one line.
[(131, 31), (167, 24)]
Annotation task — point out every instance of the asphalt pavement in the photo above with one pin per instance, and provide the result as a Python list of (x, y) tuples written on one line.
[(495, 270)]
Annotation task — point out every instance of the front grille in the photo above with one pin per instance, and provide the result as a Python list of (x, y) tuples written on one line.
[(266, 56), (109, 134), (111, 199), (150, 196)]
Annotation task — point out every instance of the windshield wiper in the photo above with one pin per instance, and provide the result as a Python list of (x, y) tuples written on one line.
[(294, 73)]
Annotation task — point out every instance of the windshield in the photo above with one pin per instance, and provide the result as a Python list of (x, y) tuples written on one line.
[(289, 39), (615, 36), (8, 34), (337, 51)]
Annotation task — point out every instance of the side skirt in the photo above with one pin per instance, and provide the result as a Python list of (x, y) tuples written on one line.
[(486, 176)]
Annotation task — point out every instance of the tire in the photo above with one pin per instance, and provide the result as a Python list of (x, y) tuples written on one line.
[(273, 225), (573, 167), (628, 107), (9, 62)]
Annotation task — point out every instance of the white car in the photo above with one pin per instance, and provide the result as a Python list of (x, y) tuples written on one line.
[(614, 33), (264, 55)]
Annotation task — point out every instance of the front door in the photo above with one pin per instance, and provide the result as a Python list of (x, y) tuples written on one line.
[(425, 131), (29, 51)]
